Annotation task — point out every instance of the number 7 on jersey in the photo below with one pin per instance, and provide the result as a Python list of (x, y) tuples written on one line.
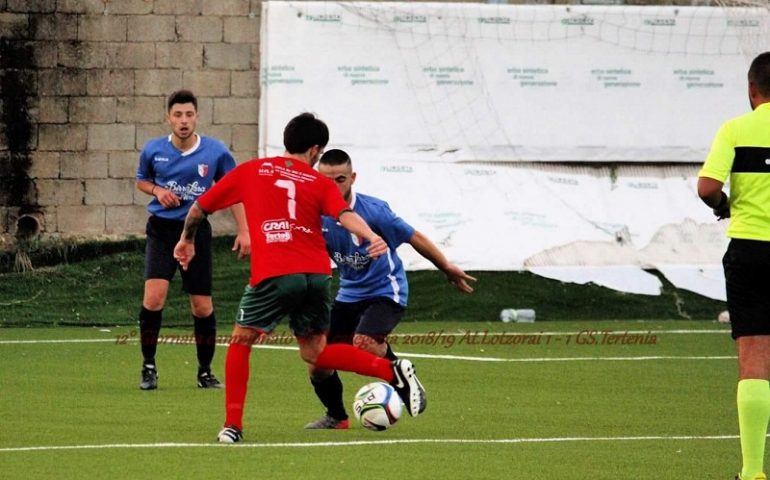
[(291, 193)]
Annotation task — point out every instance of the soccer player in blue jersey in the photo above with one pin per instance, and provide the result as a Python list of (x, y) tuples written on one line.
[(175, 170), (373, 292)]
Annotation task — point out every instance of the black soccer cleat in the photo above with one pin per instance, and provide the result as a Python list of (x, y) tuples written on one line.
[(208, 380), (328, 422), (408, 387), (149, 378), (230, 434)]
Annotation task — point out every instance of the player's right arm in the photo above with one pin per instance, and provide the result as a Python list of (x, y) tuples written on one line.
[(167, 198), (184, 251), (145, 182), (715, 171), (221, 195)]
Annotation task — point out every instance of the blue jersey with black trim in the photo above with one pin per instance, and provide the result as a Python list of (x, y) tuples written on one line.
[(362, 277), (188, 174)]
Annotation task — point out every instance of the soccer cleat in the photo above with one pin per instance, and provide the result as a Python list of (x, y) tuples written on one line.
[(759, 476), (149, 379), (230, 434), (328, 422), (208, 380), (408, 387)]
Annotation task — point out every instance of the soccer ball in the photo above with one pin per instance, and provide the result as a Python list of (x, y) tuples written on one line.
[(377, 406)]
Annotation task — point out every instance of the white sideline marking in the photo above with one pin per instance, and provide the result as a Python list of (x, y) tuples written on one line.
[(354, 443), (597, 330), (74, 340), (569, 359)]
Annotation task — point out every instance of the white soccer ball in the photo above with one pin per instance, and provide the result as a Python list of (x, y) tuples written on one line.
[(377, 406), (724, 317)]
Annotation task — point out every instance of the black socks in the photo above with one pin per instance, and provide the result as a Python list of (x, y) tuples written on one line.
[(149, 326), (205, 341), (329, 391)]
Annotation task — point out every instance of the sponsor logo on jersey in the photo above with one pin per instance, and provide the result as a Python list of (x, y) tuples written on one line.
[(203, 170), (191, 191), (161, 159), (276, 231), (356, 261), (266, 169)]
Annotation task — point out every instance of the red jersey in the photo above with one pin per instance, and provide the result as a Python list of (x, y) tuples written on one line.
[(284, 200)]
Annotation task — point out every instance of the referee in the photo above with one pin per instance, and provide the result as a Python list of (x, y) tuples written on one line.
[(741, 149)]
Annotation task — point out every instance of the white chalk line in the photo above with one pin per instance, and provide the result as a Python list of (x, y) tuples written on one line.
[(354, 443)]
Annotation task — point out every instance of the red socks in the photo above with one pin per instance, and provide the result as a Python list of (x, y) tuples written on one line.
[(236, 383), (338, 356), (341, 356)]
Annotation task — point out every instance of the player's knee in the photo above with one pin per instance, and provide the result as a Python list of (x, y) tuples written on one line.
[(154, 303), (201, 306), (309, 356)]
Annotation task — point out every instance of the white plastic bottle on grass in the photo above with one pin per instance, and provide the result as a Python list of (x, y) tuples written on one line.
[(525, 315)]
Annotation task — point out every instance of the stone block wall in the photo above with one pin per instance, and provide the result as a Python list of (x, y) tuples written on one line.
[(83, 85)]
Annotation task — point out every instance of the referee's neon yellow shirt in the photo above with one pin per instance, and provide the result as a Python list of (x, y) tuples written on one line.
[(741, 149)]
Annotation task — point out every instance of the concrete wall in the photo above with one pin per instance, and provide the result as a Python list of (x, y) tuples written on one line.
[(82, 88)]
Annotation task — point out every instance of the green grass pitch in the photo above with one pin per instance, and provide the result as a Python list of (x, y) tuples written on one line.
[(580, 400)]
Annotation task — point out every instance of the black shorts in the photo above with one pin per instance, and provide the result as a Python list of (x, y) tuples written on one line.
[(375, 318), (159, 262), (747, 273)]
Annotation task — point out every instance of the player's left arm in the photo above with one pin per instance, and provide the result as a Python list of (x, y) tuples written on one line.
[(242, 242), (455, 275)]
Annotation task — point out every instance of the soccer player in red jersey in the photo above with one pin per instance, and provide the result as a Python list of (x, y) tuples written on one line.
[(284, 199)]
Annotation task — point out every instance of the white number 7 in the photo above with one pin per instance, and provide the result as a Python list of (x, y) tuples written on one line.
[(291, 192)]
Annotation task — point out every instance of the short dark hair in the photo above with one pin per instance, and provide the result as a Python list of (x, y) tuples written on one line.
[(759, 73), (304, 131), (336, 157), (182, 96)]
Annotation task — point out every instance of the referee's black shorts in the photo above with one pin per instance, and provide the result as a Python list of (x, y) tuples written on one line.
[(747, 273), (159, 262)]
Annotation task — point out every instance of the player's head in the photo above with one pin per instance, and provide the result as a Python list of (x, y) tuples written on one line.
[(759, 80), (182, 113), (306, 134), (336, 165)]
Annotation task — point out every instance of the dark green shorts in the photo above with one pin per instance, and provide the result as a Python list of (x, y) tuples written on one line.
[(304, 297)]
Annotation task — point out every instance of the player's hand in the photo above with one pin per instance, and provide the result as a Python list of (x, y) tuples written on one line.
[(377, 247), (242, 244), (184, 251), (722, 210), (167, 198), (457, 277)]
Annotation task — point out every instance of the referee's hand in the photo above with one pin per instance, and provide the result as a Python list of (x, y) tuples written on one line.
[(722, 210)]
